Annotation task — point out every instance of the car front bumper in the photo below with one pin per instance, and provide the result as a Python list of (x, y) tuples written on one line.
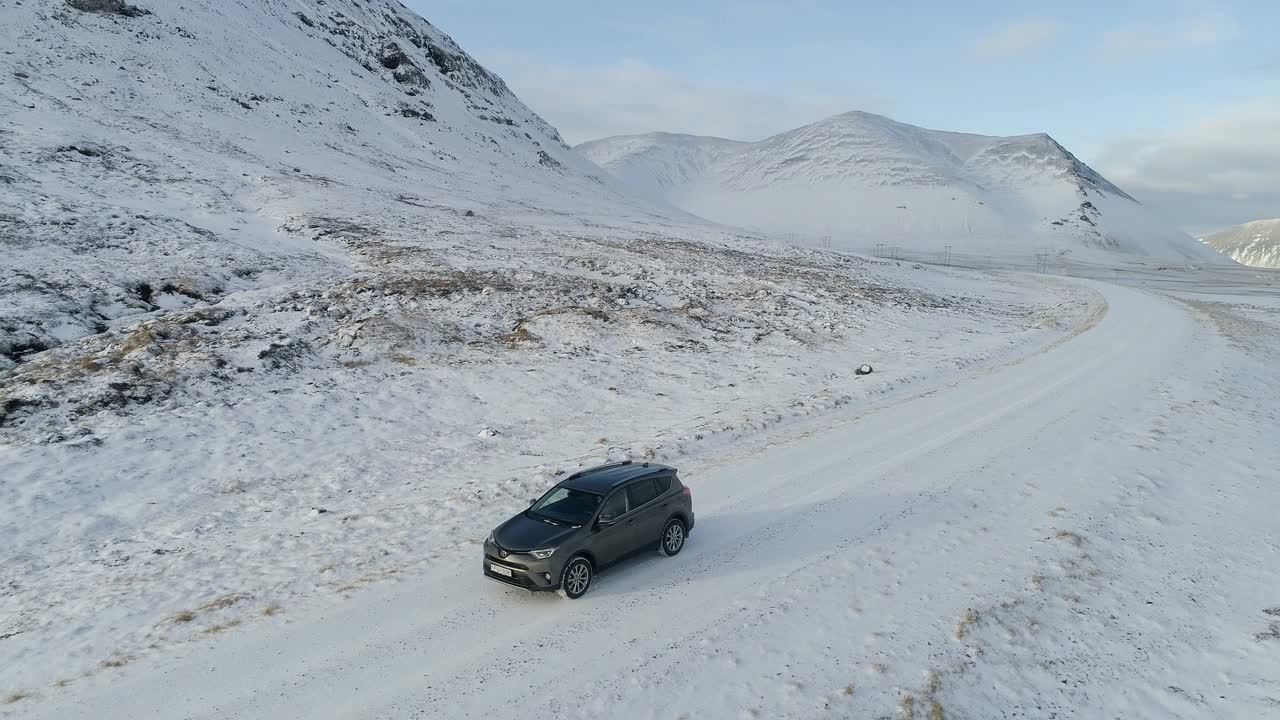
[(527, 572)]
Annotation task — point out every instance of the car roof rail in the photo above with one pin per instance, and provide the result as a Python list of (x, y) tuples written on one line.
[(598, 468)]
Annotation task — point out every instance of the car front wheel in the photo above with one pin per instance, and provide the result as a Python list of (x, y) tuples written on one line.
[(673, 534), (576, 578)]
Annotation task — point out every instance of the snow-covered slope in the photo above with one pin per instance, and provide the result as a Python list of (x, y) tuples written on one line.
[(660, 165), (1256, 244), (163, 154), (865, 179)]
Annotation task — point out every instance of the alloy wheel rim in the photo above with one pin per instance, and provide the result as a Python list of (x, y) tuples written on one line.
[(578, 578), (675, 537)]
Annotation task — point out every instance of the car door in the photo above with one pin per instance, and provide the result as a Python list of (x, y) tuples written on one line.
[(611, 541), (644, 521)]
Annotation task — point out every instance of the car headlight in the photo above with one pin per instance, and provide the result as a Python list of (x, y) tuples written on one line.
[(542, 554), (492, 540)]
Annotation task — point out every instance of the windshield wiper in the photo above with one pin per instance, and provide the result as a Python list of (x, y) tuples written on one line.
[(544, 518)]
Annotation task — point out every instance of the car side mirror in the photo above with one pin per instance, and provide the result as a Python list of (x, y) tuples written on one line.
[(533, 502), (604, 522)]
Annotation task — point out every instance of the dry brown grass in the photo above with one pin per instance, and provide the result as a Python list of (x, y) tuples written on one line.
[(847, 691), (362, 581), (935, 711), (115, 661), (931, 682), (403, 359), (271, 609), (1069, 537), (969, 619), (355, 363), (138, 339), (16, 696), (185, 616), (906, 707), (222, 627), (519, 336), (225, 601)]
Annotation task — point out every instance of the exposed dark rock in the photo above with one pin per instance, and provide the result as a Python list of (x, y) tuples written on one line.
[(411, 112), (83, 148), (108, 7), (409, 74), (278, 356), (469, 213), (392, 57), (304, 19), (547, 161), (20, 74), (12, 408), (446, 61), (17, 348)]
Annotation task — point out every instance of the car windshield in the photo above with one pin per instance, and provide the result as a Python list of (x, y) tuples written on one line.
[(567, 505)]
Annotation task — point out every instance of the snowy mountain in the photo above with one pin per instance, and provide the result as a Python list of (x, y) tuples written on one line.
[(164, 154), (865, 179), (1256, 243)]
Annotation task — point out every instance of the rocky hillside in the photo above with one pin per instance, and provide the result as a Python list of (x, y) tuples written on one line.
[(865, 179), (158, 155), (1256, 244)]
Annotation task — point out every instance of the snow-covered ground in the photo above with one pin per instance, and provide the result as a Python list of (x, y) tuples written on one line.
[(1081, 530)]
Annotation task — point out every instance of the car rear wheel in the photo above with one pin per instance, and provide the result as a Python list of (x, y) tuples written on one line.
[(673, 534), (576, 578)]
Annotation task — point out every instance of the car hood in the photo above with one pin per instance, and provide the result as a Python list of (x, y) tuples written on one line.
[(524, 532)]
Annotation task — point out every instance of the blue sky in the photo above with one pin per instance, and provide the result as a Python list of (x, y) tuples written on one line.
[(1177, 101)]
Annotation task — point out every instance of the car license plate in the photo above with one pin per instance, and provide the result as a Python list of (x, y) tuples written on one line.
[(500, 570)]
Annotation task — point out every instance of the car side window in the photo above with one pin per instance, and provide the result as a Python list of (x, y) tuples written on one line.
[(614, 506), (641, 492), (664, 484)]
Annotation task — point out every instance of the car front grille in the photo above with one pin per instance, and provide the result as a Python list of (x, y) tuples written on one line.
[(506, 561)]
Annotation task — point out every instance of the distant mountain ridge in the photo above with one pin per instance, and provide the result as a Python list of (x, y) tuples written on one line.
[(1256, 244), (866, 179)]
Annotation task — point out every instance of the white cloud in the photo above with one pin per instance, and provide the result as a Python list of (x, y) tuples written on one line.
[(1015, 38), (630, 96), (1135, 41), (1222, 170), (1233, 152)]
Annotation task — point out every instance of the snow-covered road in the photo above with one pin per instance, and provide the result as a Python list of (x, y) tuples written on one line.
[(961, 548)]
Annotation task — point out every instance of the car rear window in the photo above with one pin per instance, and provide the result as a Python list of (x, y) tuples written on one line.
[(641, 492)]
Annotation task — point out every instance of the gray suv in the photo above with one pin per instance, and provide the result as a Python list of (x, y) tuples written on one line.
[(589, 520)]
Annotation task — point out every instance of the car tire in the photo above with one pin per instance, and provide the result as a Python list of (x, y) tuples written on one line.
[(576, 577), (673, 536)]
